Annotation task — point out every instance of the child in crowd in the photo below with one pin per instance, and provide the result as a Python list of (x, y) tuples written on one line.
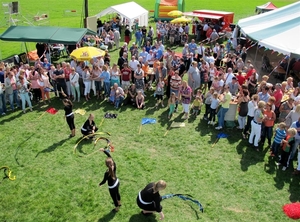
[(199, 93), (112, 95), (213, 108), (140, 100), (159, 92), (216, 84), (117, 99), (207, 100), (287, 143), (172, 103), (280, 134), (196, 106)]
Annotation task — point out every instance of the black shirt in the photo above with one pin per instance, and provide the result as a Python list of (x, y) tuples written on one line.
[(59, 73), (147, 195), (110, 181), (68, 110)]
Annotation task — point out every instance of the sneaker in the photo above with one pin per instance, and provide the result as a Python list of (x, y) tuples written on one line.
[(278, 164), (283, 168), (205, 118), (3, 114), (162, 105), (212, 123), (218, 127), (209, 122), (24, 111)]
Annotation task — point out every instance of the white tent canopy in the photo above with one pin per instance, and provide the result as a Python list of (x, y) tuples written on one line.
[(130, 10), (278, 30)]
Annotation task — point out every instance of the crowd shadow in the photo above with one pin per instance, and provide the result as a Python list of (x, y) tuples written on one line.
[(52, 147), (249, 155), (294, 189), (108, 217), (11, 117)]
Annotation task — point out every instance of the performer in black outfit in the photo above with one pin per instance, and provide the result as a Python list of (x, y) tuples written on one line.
[(69, 115), (149, 198), (89, 127), (112, 180)]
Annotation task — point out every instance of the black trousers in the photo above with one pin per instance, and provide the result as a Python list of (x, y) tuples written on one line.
[(70, 121), (248, 125), (115, 195), (62, 86)]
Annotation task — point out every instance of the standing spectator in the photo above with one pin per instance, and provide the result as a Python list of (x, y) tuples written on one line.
[(24, 87), (59, 77), (185, 94), (252, 106), (86, 76), (268, 124), (115, 74), (175, 84), (125, 77), (224, 108), (127, 34), (243, 101), (256, 125), (74, 80), (159, 92), (287, 144), (278, 94), (194, 78), (117, 38), (280, 135), (133, 66), (213, 107), (138, 37), (139, 78)]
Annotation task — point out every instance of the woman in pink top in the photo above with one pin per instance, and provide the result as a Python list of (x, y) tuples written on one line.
[(34, 77), (67, 71)]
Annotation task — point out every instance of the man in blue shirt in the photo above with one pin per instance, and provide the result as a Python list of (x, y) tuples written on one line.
[(192, 46), (138, 37)]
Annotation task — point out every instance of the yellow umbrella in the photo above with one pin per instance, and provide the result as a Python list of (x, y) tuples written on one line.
[(86, 53), (175, 13), (181, 19)]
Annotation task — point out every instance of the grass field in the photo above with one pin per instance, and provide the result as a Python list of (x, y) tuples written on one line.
[(232, 181)]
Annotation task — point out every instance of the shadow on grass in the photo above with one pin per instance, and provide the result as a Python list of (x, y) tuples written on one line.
[(52, 147), (140, 217), (294, 189), (250, 156), (107, 217), (18, 148), (11, 117)]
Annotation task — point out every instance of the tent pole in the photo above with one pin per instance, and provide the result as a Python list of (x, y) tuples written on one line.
[(286, 72), (26, 49), (256, 54)]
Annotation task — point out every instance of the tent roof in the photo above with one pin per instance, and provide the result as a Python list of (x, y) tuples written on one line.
[(45, 34), (266, 7), (201, 15), (278, 30), (130, 10)]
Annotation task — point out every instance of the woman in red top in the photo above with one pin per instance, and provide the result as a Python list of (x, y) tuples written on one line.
[(268, 123)]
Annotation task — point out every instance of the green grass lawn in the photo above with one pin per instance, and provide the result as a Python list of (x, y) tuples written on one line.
[(232, 181)]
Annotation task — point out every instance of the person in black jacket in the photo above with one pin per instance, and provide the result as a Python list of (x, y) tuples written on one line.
[(149, 198), (112, 180), (69, 115), (89, 127)]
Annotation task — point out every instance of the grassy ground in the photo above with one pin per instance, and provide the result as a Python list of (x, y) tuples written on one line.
[(233, 182)]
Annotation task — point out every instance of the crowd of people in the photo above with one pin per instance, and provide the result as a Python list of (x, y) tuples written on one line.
[(209, 76)]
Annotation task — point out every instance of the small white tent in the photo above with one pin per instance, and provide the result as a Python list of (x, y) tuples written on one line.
[(130, 10)]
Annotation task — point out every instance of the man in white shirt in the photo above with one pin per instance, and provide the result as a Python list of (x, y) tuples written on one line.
[(150, 58), (200, 50), (228, 76), (133, 66)]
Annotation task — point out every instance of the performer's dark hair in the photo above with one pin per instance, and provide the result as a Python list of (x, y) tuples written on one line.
[(110, 163), (68, 102)]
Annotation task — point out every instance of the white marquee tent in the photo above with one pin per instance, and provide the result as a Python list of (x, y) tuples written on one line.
[(277, 30), (130, 10)]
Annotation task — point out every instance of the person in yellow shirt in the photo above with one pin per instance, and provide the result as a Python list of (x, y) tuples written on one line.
[(225, 101)]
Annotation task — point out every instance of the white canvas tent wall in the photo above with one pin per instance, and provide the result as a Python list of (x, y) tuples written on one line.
[(277, 30), (130, 11)]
